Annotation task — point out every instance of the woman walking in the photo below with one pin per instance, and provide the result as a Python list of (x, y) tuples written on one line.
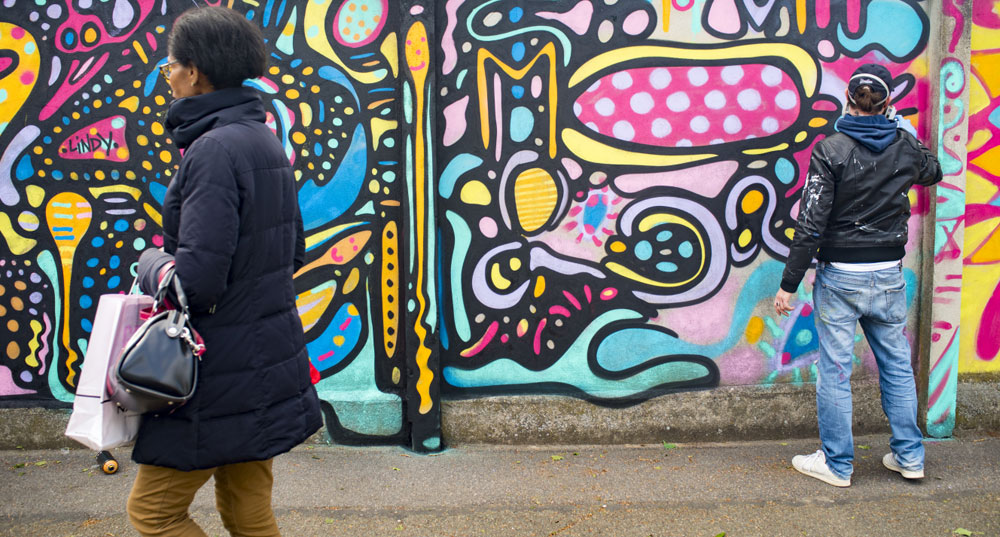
[(853, 219), (233, 233)]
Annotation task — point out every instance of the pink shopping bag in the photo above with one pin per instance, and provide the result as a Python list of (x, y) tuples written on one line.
[(96, 421)]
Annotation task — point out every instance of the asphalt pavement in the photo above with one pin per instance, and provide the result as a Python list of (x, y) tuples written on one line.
[(736, 489)]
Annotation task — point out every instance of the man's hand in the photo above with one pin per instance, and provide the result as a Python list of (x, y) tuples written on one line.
[(783, 303)]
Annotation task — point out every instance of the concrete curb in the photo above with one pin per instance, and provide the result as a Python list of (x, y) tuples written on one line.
[(722, 414)]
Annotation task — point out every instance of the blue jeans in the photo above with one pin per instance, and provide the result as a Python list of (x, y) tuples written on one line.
[(877, 300)]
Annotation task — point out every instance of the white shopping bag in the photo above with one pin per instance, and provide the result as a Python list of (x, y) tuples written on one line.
[(96, 421)]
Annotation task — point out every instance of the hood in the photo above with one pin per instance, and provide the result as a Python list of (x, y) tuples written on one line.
[(190, 117), (873, 132)]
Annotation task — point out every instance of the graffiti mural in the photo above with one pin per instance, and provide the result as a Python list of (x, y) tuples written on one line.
[(980, 339), (589, 198), (619, 185), (86, 162)]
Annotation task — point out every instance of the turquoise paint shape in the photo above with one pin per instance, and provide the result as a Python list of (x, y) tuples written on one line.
[(941, 416), (522, 122), (368, 209), (634, 346), (994, 117), (47, 264), (899, 38), (433, 443), (455, 168), (286, 43), (952, 80), (572, 369), (463, 238), (430, 264), (360, 406)]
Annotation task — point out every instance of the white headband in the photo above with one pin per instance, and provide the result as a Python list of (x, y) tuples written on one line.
[(872, 77)]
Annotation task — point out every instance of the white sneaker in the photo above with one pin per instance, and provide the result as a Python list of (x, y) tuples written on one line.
[(890, 462), (814, 465)]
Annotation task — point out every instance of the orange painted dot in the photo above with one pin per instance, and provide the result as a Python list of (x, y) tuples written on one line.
[(166, 156), (12, 325), (20, 286), (13, 350), (17, 303)]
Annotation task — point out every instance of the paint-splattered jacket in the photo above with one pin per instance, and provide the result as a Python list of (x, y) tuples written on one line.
[(854, 206), (231, 224)]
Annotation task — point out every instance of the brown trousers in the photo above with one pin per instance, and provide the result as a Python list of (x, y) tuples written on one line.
[(160, 498)]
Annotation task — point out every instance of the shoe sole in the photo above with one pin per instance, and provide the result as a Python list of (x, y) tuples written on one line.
[(837, 482), (908, 474)]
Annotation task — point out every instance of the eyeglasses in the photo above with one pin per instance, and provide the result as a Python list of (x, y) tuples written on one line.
[(166, 68)]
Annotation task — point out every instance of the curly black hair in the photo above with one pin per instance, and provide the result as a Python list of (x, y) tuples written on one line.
[(221, 43)]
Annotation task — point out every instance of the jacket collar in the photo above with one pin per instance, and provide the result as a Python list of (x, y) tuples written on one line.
[(190, 117)]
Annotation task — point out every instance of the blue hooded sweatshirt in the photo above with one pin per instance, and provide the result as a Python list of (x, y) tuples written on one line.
[(873, 132)]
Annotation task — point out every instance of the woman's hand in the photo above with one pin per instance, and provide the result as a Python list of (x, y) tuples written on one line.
[(783, 303)]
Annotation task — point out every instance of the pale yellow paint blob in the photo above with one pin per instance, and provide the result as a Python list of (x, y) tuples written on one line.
[(476, 193), (498, 280), (35, 194)]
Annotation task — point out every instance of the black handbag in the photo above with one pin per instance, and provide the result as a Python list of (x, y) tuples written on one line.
[(158, 368)]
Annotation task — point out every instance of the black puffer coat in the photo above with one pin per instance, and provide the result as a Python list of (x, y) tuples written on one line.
[(231, 223)]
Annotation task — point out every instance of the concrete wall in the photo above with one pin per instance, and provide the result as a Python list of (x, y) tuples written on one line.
[(589, 199)]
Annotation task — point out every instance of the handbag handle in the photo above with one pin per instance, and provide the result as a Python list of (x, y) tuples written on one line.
[(171, 279), (184, 330)]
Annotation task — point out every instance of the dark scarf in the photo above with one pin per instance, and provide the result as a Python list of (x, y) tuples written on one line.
[(190, 117)]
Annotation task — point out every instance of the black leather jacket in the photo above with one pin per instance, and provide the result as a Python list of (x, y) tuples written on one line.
[(854, 205)]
